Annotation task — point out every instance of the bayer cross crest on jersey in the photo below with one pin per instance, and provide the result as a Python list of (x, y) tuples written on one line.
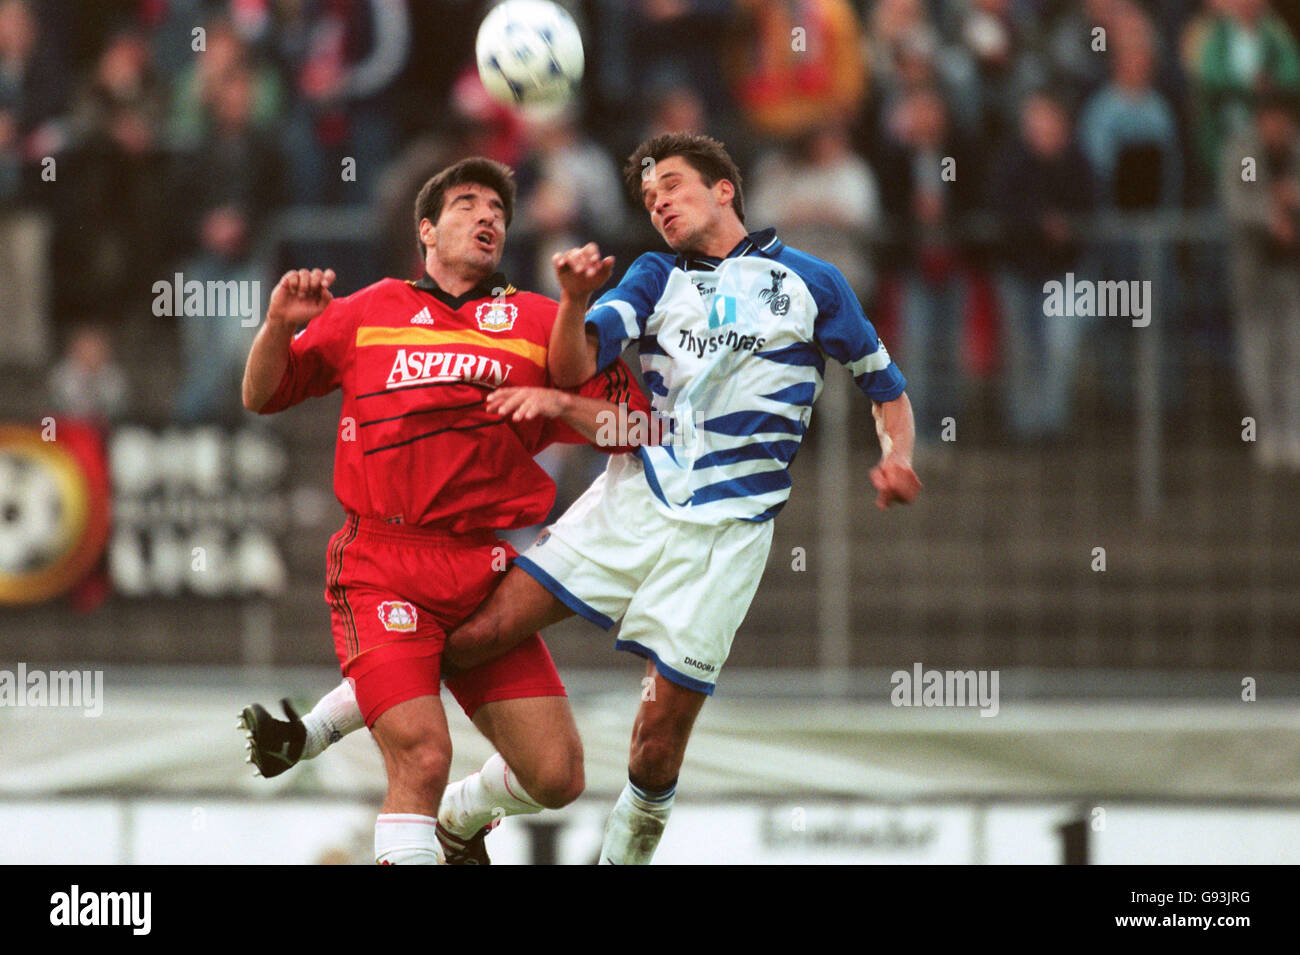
[(496, 316), (397, 615)]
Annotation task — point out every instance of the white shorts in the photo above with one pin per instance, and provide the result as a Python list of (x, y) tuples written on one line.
[(681, 589)]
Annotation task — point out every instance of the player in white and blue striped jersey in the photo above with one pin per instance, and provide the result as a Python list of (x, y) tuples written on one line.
[(734, 330), (733, 350)]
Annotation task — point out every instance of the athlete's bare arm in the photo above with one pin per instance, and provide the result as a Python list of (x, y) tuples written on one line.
[(571, 359), (590, 417), (893, 477), (297, 298)]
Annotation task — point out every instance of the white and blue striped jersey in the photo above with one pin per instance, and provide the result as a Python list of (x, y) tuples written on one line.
[(733, 351)]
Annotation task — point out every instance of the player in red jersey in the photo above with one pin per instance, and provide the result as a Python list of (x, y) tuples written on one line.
[(428, 471)]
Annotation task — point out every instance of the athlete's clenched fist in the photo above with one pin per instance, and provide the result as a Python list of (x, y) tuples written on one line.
[(299, 296)]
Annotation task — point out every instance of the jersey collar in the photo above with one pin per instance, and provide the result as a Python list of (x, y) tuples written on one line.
[(763, 241), (492, 286)]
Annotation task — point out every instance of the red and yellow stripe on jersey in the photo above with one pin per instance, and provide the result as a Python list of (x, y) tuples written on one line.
[(415, 443)]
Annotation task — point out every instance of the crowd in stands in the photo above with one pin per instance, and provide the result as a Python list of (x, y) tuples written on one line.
[(945, 154)]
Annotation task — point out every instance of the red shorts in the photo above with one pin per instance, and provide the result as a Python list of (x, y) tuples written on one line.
[(396, 591)]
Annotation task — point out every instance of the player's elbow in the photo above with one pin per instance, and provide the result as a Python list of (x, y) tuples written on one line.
[(570, 368), (571, 374), (569, 379), (253, 401)]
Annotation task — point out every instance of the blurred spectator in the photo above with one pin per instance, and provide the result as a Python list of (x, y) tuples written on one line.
[(31, 95), (1075, 63), (649, 45), (569, 194), (1260, 187), (677, 109), (344, 57), (931, 177), (484, 126), (1129, 134), (917, 59), (1290, 13), (236, 174), (890, 25), (169, 25), (1247, 51), (1000, 45), (797, 64), (822, 198), (118, 178), (1040, 183), (32, 91), (224, 50), (122, 82), (236, 182), (87, 383)]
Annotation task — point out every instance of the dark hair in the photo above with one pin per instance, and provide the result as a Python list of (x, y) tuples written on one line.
[(475, 169), (704, 154)]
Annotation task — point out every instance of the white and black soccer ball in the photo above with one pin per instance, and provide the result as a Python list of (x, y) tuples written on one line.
[(529, 54)]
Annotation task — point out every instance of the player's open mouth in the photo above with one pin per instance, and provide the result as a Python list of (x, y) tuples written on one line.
[(669, 221), (486, 240)]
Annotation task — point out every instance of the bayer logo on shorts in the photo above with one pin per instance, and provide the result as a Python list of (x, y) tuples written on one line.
[(397, 615)]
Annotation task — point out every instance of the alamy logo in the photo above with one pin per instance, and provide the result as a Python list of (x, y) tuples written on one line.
[(211, 299), (622, 428), (921, 687), (79, 689), (74, 907), (777, 301), (1084, 298)]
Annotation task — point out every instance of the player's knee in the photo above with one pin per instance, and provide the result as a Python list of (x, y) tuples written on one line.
[(419, 761), (558, 788), (559, 781)]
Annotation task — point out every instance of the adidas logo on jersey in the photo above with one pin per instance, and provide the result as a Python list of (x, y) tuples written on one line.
[(422, 317)]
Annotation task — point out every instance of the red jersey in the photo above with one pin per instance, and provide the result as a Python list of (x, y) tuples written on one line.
[(416, 444)]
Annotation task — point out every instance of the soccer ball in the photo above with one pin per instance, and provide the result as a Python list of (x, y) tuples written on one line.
[(529, 54)]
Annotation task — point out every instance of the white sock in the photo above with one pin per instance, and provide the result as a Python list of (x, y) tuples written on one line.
[(334, 716), (635, 826), (405, 839), (484, 797)]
